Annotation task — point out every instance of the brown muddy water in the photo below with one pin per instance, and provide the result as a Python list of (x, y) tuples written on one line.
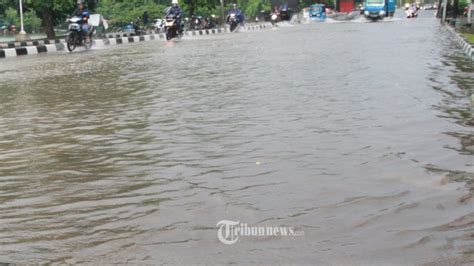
[(359, 135)]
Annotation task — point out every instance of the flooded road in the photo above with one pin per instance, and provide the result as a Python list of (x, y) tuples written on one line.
[(357, 134)]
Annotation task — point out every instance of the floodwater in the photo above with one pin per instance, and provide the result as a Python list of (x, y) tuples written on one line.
[(358, 135)]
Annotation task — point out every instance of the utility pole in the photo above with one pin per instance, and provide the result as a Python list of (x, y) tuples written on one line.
[(445, 7), (22, 36), (22, 31), (222, 13)]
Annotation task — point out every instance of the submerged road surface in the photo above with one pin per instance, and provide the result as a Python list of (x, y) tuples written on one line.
[(358, 136)]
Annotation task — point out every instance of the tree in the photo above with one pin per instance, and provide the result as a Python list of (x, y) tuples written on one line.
[(30, 19), (120, 13), (51, 12)]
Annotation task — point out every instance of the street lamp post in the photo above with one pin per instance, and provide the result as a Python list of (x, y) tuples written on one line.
[(22, 31), (222, 13), (22, 36)]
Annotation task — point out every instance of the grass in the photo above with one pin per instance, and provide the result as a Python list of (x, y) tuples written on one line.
[(469, 37), (11, 38)]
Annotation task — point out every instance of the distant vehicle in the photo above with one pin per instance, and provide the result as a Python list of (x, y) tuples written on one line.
[(138, 26), (196, 23), (11, 29), (361, 9), (99, 23), (76, 36), (285, 12), (306, 13), (233, 21), (274, 19), (171, 27), (128, 28), (209, 22), (159, 25), (412, 12), (427, 7), (317, 12), (378, 9), (3, 27)]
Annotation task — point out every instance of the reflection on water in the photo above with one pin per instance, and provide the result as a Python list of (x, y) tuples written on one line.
[(133, 154)]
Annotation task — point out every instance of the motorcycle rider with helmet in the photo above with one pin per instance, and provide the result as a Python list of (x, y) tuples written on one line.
[(82, 12), (238, 13), (176, 11)]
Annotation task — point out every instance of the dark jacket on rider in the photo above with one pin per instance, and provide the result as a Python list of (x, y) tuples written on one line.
[(176, 11), (238, 14), (84, 13)]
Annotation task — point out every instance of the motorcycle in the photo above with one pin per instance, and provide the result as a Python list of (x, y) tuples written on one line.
[(233, 21), (411, 13), (138, 27), (209, 23), (75, 36), (274, 19), (196, 23), (159, 25), (171, 27)]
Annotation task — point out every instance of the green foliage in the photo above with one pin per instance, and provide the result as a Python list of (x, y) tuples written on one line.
[(32, 21), (469, 37), (11, 16), (60, 9), (462, 4), (119, 13)]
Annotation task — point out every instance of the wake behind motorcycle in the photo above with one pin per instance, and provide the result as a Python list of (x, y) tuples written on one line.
[(171, 27), (76, 36)]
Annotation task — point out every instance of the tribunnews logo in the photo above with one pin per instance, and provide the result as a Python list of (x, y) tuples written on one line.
[(229, 232)]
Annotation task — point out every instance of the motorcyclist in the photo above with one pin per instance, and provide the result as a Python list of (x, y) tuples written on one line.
[(175, 10), (82, 12), (238, 13), (145, 19), (414, 9), (276, 11)]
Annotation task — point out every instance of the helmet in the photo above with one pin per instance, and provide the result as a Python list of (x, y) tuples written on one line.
[(234, 5), (174, 2), (80, 2)]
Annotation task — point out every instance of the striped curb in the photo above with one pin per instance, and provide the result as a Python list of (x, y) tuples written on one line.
[(47, 46), (30, 43), (467, 48)]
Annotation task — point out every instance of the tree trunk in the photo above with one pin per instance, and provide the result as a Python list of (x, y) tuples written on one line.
[(456, 8), (439, 12), (48, 23)]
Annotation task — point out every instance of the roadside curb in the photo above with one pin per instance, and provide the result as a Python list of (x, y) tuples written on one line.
[(463, 43), (48, 46), (30, 43)]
